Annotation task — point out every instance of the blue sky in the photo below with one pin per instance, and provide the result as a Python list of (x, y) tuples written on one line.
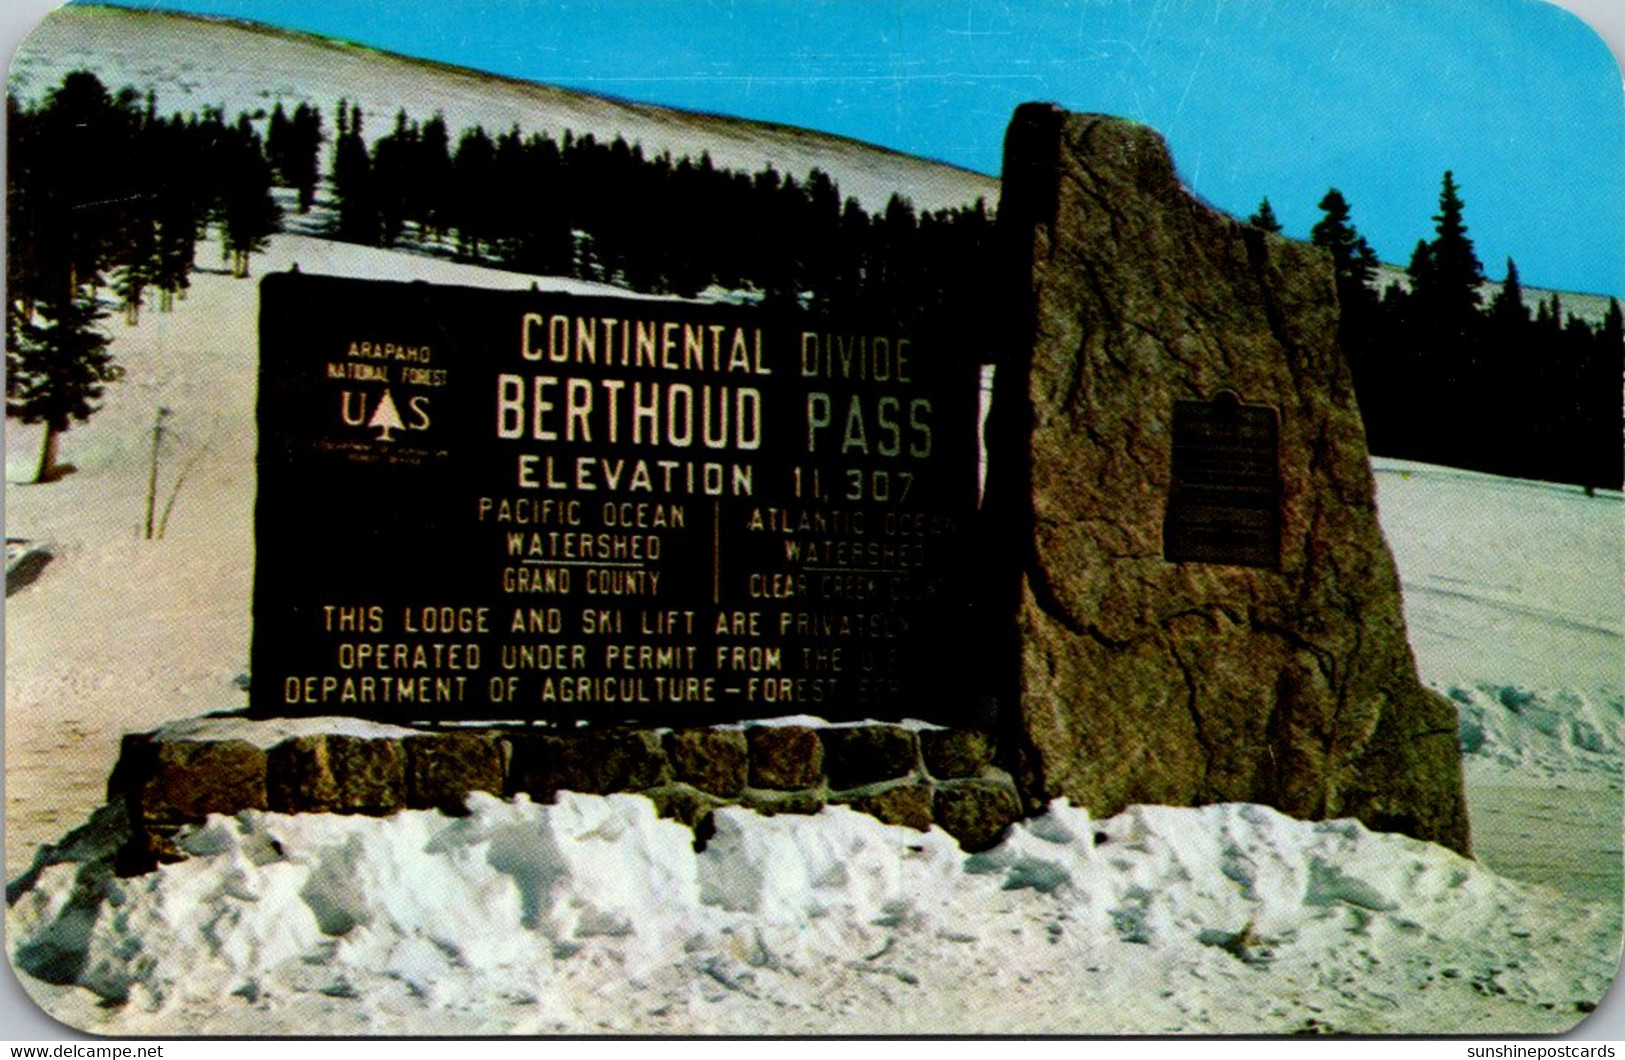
[(1283, 98)]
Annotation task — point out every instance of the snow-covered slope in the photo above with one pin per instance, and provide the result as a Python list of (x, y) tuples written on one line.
[(192, 62), (1590, 308), (1515, 605)]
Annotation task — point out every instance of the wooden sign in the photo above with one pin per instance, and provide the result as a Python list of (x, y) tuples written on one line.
[(518, 506)]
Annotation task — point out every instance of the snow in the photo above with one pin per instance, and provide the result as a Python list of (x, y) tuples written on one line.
[(266, 733), (1507, 580), (592, 915)]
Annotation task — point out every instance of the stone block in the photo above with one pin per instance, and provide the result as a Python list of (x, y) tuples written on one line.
[(785, 757), (532, 764), (868, 754), (330, 773), (590, 761), (443, 767), (953, 753), (713, 760), (975, 812), (770, 803), (180, 781), (602, 761), (683, 803), (907, 804), (136, 759), (145, 849)]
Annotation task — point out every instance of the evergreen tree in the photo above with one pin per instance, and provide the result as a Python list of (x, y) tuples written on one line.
[(181, 204), (278, 131), (302, 166), (1549, 317), (393, 178), (60, 366), (247, 212), (473, 211), (1445, 332), (1420, 268), (1507, 311), (357, 213), (433, 180), (293, 149), (1372, 360), (1605, 444), (1612, 333), (1354, 263), (81, 184), (136, 263), (22, 230), (75, 191), (1447, 290), (1264, 217)]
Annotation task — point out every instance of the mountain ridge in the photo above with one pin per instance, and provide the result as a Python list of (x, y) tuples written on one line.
[(192, 61), (866, 171)]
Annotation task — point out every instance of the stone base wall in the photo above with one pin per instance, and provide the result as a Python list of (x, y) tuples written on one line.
[(905, 776)]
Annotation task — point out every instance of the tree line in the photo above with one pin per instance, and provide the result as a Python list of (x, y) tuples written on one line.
[(582, 207), (1449, 376), (106, 196)]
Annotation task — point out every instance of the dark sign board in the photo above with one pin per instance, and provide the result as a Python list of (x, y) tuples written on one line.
[(520, 506), (1224, 502)]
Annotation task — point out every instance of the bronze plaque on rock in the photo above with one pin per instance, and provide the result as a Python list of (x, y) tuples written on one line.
[(1224, 499)]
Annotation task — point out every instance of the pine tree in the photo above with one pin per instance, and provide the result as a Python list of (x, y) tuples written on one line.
[(1354, 263), (61, 366), (301, 165), (1507, 309), (473, 170), (1612, 333), (181, 205), (1372, 361), (1448, 289), (1420, 268), (81, 170), (278, 133), (357, 220), (393, 178), (1445, 333), (1605, 413), (248, 213), (136, 263), (434, 180), (75, 190), (1264, 217)]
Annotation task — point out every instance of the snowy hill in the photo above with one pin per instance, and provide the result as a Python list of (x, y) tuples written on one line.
[(1590, 308), (191, 63)]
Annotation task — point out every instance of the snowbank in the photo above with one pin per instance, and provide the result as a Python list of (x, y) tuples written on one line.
[(592, 914), (1534, 734)]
